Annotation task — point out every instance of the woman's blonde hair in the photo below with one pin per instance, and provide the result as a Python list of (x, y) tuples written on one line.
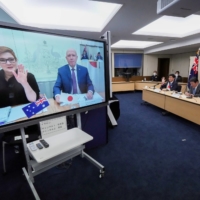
[(7, 50)]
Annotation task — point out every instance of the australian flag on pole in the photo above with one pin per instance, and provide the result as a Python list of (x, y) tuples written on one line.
[(35, 107), (194, 69)]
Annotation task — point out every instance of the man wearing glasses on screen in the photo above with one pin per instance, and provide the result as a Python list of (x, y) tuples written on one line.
[(73, 78)]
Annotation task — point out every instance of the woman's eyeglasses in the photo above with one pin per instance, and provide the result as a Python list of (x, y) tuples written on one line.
[(4, 61)]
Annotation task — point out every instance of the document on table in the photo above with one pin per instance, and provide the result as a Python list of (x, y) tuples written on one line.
[(4, 114), (157, 90), (83, 101), (176, 95), (14, 113)]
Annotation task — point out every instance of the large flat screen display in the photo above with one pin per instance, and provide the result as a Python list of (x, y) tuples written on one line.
[(44, 74), (128, 60)]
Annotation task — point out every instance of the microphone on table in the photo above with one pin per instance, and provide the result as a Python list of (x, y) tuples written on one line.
[(195, 99), (155, 85)]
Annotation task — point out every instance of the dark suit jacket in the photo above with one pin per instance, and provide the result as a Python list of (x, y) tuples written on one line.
[(99, 58), (154, 78), (197, 93), (178, 79), (174, 86), (84, 57), (64, 80), (13, 87)]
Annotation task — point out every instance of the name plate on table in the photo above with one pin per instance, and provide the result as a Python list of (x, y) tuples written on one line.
[(176, 95), (157, 90), (53, 127)]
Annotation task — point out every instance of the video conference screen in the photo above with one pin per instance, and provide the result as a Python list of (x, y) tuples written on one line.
[(43, 74), (128, 60)]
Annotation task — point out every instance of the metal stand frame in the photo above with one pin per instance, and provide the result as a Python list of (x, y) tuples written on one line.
[(4, 159), (111, 116), (35, 168), (107, 36)]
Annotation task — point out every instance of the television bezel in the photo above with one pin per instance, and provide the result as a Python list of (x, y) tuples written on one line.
[(32, 121)]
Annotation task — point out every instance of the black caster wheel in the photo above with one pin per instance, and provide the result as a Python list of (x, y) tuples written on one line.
[(165, 113), (4, 173), (102, 173)]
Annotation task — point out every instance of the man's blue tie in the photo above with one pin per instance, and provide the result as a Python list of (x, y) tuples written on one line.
[(194, 90), (74, 84)]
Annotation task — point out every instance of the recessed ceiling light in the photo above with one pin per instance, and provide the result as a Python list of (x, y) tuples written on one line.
[(134, 44), (169, 26), (79, 15)]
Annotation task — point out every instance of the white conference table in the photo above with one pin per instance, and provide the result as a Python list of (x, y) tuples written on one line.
[(181, 106), (139, 85)]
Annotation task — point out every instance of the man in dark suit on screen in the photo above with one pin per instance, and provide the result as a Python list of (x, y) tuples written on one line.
[(73, 78), (194, 88), (171, 84), (99, 57)]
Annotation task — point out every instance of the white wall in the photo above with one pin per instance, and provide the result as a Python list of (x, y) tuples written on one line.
[(178, 62), (181, 62), (4, 17), (150, 63)]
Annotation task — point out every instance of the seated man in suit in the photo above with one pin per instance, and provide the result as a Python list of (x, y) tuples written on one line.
[(194, 88), (154, 76), (178, 77), (99, 57), (73, 78), (171, 84)]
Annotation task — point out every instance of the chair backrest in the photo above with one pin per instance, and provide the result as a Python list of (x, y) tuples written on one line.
[(179, 88)]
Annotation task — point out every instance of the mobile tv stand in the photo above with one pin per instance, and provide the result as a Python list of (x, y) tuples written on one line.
[(62, 147)]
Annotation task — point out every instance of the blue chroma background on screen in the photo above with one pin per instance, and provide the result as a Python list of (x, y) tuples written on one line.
[(128, 60)]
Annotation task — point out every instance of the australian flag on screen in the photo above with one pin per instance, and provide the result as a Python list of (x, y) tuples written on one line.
[(194, 69), (35, 107)]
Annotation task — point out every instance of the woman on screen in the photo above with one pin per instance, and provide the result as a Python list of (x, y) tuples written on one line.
[(84, 55), (17, 86)]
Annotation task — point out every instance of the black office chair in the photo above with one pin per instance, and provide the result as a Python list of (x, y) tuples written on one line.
[(127, 75), (179, 88), (9, 138)]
